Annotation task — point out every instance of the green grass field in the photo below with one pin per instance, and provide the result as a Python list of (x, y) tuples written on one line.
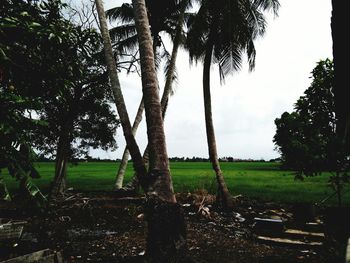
[(259, 180)]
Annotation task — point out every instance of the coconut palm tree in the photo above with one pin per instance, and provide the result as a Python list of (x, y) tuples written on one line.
[(222, 32), (170, 21), (166, 240), (139, 165)]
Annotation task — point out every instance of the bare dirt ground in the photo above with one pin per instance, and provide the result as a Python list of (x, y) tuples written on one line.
[(98, 227)]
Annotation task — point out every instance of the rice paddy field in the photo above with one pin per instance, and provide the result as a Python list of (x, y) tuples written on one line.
[(260, 180)]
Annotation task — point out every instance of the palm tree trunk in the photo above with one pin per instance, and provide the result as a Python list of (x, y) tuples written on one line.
[(124, 161), (223, 196), (132, 186), (138, 163), (166, 240), (172, 65)]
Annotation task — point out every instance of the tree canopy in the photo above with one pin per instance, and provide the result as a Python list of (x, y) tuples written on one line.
[(306, 137), (52, 84)]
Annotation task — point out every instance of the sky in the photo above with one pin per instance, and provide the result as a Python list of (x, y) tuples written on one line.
[(246, 105)]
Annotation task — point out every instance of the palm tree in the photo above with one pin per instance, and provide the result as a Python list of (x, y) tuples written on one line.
[(166, 240), (222, 32), (126, 154), (139, 165), (125, 38)]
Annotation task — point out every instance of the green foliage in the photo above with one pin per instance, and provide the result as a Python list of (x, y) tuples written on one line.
[(307, 138), (15, 152), (52, 85), (25, 30), (163, 16), (60, 67), (77, 104)]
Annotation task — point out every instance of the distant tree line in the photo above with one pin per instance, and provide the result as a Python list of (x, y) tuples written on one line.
[(43, 158)]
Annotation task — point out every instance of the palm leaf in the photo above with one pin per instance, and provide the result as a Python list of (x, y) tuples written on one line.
[(123, 13), (128, 45), (267, 5), (122, 32)]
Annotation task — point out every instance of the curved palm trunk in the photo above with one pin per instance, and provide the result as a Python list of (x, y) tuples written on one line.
[(138, 163), (166, 240), (172, 65), (223, 196), (133, 185), (124, 161)]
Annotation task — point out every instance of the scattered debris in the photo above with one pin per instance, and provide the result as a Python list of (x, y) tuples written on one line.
[(65, 218), (11, 229), (273, 231), (304, 234), (273, 227), (289, 242), (141, 216), (104, 228), (42, 256), (239, 217)]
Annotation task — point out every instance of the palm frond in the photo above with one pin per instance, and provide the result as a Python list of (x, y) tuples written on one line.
[(157, 58), (122, 32), (123, 13), (128, 45), (197, 35), (233, 26), (251, 54), (255, 19), (229, 59), (267, 5)]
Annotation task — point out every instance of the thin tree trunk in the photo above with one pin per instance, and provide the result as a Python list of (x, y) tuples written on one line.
[(132, 186), (166, 240), (172, 65), (223, 196), (124, 161), (138, 163), (58, 186)]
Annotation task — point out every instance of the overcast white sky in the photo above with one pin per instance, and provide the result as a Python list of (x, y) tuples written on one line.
[(246, 105)]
